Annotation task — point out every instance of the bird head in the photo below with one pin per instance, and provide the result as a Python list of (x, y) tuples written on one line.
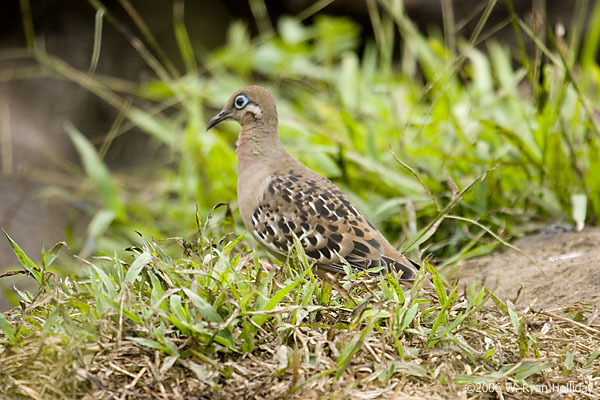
[(252, 105)]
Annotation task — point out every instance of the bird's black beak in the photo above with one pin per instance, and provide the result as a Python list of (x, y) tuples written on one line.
[(222, 116)]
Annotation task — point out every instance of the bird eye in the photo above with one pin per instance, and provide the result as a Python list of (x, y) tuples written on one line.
[(240, 101)]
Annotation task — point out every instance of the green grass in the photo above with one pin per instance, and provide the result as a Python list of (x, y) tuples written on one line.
[(217, 318), (449, 148)]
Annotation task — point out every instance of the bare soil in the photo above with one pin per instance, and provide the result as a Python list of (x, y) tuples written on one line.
[(566, 270)]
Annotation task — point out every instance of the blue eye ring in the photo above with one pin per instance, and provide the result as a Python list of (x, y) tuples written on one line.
[(240, 101)]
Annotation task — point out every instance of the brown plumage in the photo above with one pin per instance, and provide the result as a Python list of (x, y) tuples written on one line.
[(278, 197)]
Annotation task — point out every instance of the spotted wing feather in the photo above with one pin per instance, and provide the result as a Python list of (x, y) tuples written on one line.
[(327, 224)]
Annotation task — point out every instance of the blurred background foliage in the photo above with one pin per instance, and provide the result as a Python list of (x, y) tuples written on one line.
[(446, 143)]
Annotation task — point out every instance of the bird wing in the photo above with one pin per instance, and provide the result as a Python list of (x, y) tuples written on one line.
[(328, 225)]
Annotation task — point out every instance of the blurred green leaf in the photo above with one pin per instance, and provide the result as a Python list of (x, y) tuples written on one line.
[(8, 330), (97, 171), (136, 267), (24, 260), (49, 256)]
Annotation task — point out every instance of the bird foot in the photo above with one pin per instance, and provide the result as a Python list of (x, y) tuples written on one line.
[(266, 265)]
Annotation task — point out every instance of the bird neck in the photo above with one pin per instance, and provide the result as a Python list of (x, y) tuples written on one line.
[(259, 143)]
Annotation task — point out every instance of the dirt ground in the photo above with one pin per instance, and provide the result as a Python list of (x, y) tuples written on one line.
[(566, 271)]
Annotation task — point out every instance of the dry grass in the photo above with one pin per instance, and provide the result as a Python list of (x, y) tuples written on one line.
[(50, 366)]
